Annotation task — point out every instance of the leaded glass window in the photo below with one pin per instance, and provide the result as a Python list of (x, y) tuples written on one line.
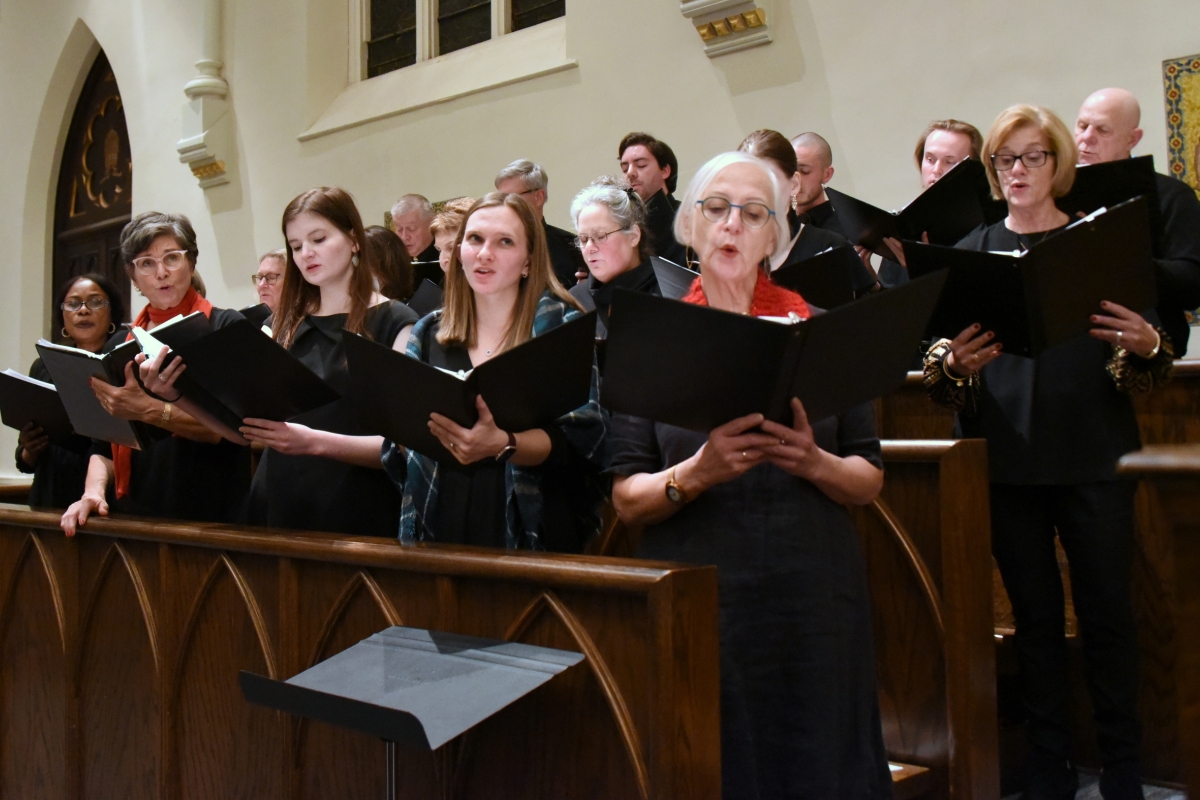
[(462, 23), (527, 13), (393, 42)]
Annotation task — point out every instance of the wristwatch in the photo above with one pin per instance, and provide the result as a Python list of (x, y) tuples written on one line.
[(674, 491), (509, 450)]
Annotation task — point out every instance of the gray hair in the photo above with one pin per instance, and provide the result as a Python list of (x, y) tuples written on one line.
[(410, 203), (279, 254), (705, 176), (143, 229), (622, 202), (532, 176)]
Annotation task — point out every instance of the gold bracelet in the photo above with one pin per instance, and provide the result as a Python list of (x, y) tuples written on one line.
[(1157, 346), (946, 371), (166, 412)]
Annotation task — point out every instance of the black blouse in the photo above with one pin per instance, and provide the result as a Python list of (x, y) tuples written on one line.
[(177, 478), (594, 295), (59, 473), (1057, 419), (323, 494)]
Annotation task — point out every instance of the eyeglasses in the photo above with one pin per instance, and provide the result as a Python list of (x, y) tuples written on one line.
[(269, 278), (1003, 162), (93, 304), (584, 239), (148, 265), (717, 209)]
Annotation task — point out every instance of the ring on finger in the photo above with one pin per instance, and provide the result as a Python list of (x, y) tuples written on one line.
[(782, 440), (744, 454), (1120, 334), (452, 445)]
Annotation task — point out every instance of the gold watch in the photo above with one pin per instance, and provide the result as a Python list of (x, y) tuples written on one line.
[(674, 491)]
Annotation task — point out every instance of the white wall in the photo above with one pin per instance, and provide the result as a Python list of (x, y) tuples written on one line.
[(866, 74)]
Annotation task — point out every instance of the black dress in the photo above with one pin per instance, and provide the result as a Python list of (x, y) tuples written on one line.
[(177, 478), (61, 469), (799, 703), (594, 295), (322, 494)]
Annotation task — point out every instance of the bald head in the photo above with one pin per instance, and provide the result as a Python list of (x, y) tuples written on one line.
[(1107, 126), (814, 163)]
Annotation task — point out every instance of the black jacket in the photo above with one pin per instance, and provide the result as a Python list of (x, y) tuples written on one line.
[(660, 219), (1177, 258), (565, 258)]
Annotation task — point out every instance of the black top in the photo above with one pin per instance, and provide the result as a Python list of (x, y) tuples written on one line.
[(799, 703), (596, 295), (565, 258), (427, 267), (660, 219), (1057, 419), (892, 274), (1177, 258), (322, 494), (177, 478), (823, 216), (59, 473)]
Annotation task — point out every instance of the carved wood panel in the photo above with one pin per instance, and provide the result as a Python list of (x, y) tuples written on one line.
[(93, 200), (148, 624)]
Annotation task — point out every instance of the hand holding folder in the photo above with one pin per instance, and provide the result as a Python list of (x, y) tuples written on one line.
[(527, 387), (699, 368), (1046, 296)]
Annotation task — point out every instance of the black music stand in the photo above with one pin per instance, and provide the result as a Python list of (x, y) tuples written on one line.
[(410, 685)]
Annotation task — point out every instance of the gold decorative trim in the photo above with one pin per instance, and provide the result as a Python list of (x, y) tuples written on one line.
[(213, 170), (738, 23)]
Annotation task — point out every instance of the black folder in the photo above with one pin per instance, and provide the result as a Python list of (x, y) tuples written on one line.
[(946, 211), (674, 281), (71, 368), (412, 686), (1109, 184), (527, 387), (238, 372), (257, 314), (1047, 295), (427, 298), (24, 400), (698, 368), (829, 279)]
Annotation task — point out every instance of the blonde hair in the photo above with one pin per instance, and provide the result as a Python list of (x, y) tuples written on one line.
[(1062, 144), (458, 326), (450, 218)]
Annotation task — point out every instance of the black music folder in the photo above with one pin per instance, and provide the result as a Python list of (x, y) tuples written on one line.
[(698, 368), (238, 372), (71, 369), (1110, 184), (529, 386), (427, 298), (24, 400), (1035, 300), (257, 314), (946, 211), (829, 279), (674, 281), (412, 686)]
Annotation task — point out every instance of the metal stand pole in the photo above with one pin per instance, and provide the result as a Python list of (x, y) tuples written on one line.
[(390, 789)]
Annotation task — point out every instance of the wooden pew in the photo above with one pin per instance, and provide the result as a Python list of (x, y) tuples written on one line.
[(119, 652), (929, 568), (1171, 479), (1168, 415)]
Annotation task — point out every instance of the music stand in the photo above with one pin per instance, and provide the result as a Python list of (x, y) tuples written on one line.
[(410, 685)]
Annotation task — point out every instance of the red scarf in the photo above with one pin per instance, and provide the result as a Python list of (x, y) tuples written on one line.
[(192, 301), (770, 300)]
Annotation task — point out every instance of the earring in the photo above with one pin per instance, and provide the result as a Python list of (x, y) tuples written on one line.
[(793, 202), (112, 327), (524, 275), (354, 259), (64, 332)]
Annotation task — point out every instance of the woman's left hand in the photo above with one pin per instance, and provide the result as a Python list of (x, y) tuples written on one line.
[(468, 445), (128, 401), (1125, 328), (797, 452), (289, 438), (158, 380)]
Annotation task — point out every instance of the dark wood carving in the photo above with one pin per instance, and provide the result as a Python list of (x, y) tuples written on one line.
[(95, 184), (1168, 415), (120, 650)]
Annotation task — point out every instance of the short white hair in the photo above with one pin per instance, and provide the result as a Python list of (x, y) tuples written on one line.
[(531, 175), (410, 203), (707, 174)]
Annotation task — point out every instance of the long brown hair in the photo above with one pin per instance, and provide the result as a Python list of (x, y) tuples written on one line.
[(458, 325), (298, 297)]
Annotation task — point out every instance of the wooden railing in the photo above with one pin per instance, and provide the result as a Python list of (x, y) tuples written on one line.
[(120, 648)]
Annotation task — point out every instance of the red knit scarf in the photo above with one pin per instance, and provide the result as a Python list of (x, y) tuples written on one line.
[(192, 301), (769, 299)]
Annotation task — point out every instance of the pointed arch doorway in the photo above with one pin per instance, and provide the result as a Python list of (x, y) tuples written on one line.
[(94, 196)]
